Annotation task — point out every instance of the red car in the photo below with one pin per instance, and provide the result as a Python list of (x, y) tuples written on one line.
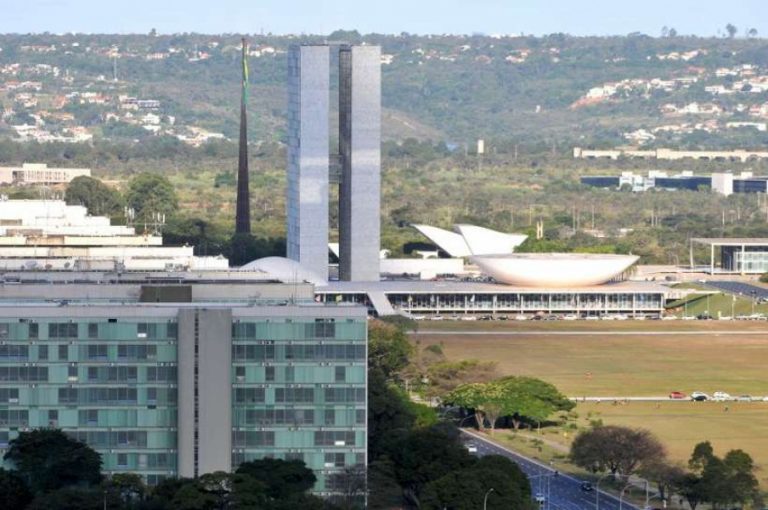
[(677, 395)]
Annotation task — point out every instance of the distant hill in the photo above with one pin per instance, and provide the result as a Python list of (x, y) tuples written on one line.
[(551, 91)]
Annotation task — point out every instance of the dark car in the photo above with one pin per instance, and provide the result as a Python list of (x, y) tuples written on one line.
[(587, 487)]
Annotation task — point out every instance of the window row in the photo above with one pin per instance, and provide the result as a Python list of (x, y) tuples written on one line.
[(341, 395), (300, 395), (24, 374), (314, 352), (71, 330), (113, 439), (252, 438), (14, 418), (14, 352), (9, 395), (321, 328), (259, 417), (102, 396), (142, 461), (298, 352), (334, 438), (115, 396)]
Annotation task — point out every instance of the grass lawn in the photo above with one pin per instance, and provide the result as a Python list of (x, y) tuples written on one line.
[(615, 359), (626, 364), (679, 425)]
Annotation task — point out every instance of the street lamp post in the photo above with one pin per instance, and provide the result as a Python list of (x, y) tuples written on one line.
[(597, 490), (621, 495), (485, 499)]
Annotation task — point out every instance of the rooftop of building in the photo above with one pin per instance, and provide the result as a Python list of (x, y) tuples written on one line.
[(731, 241), (465, 287)]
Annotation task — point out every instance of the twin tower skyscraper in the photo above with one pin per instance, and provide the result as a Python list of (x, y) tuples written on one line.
[(355, 165)]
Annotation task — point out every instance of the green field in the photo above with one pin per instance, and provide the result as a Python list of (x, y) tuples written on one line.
[(617, 360), (621, 359)]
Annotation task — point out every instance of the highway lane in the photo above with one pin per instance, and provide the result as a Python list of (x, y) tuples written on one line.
[(740, 288), (564, 491), (584, 333)]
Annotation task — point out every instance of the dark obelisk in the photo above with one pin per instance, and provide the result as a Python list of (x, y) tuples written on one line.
[(243, 208)]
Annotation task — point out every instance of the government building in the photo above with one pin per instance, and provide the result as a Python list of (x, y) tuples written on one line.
[(188, 375)]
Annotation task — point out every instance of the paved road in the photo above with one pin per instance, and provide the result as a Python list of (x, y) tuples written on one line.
[(564, 491), (740, 288), (702, 332)]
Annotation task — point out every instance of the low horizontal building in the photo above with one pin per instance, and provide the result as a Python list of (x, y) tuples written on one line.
[(669, 154), (734, 255), (472, 297), (39, 173), (720, 182), (53, 235)]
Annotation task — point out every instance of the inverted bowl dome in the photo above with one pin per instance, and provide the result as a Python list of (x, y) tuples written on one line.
[(553, 269)]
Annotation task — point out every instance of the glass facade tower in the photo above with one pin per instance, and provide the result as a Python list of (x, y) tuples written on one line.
[(292, 378)]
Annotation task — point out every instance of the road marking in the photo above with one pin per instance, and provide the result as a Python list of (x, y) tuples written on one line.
[(493, 446), (587, 333)]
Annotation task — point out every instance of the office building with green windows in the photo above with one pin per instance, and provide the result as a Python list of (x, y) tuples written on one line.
[(181, 381)]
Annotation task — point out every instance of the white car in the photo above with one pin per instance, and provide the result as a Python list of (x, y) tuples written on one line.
[(471, 448), (669, 318), (521, 318), (721, 396), (539, 498), (570, 317)]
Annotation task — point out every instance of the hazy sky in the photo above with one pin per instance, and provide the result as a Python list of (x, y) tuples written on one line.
[(580, 17)]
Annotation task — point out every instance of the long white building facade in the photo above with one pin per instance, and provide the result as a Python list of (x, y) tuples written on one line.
[(50, 234)]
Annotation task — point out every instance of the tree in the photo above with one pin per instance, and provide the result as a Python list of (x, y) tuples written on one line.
[(488, 400), (731, 29), (519, 397), (702, 454), (150, 194), (388, 349), (467, 487), (445, 376), (533, 399), (351, 487), (48, 459), (693, 490), (668, 477), (281, 478), (620, 450), (97, 197), (129, 487), (208, 238), (424, 455), (13, 491), (74, 498), (672, 33), (752, 33)]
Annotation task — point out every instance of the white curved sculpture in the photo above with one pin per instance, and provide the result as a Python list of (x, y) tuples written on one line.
[(484, 241), (284, 270), (450, 242), (554, 269)]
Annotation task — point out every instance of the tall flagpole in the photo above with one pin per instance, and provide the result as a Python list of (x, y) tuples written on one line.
[(243, 207)]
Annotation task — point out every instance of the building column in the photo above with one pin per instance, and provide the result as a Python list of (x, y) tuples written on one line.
[(204, 391), (743, 259)]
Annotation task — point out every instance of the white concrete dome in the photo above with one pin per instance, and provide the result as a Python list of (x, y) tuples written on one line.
[(551, 270), (284, 270), (484, 241)]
